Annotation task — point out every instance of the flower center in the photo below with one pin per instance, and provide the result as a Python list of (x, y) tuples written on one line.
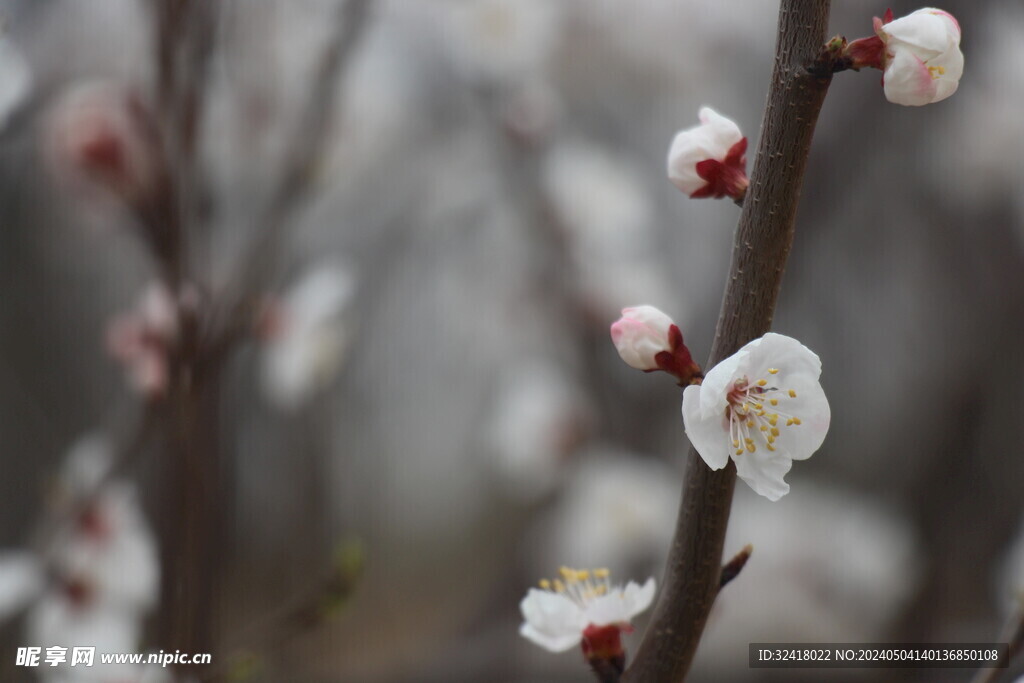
[(582, 586), (754, 415), (937, 71)]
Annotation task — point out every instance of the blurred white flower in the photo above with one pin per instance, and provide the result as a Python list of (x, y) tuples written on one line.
[(828, 565), (615, 511), (110, 551), (606, 212), (99, 572), (308, 335), (98, 137), (538, 421), (21, 579), (709, 160), (502, 41), (558, 613), (15, 79), (141, 340), (923, 62), (764, 407)]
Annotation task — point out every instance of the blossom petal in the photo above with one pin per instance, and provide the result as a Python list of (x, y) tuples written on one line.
[(640, 597), (722, 133), (718, 382), (552, 620), (800, 442), (908, 80), (709, 435), (764, 472), (619, 607), (552, 643), (779, 351), (922, 30)]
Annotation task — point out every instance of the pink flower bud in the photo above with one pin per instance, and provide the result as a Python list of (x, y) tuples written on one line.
[(710, 160), (98, 136), (640, 335), (141, 340), (923, 62), (648, 340)]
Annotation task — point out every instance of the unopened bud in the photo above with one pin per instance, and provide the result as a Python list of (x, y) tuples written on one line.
[(648, 340), (710, 160)]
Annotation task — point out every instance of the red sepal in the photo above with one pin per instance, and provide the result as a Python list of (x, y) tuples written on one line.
[(602, 648), (725, 178), (678, 361), (866, 52)]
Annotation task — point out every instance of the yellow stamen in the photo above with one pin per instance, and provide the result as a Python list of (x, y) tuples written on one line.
[(774, 401), (545, 584), (762, 382), (772, 371), (792, 394), (601, 573)]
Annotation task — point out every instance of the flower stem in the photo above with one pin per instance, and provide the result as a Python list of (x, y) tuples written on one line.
[(762, 244)]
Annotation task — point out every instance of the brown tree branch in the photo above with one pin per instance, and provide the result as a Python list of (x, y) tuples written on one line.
[(763, 240)]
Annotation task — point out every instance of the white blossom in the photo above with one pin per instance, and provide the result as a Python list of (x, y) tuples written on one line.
[(309, 335), (608, 219), (764, 407), (98, 572), (536, 425), (611, 513), (829, 565), (709, 160), (502, 41), (21, 579), (923, 61), (556, 615), (15, 79)]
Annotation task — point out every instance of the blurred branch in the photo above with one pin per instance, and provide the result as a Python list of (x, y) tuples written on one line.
[(307, 612), (1013, 635), (309, 139), (763, 241), (184, 37)]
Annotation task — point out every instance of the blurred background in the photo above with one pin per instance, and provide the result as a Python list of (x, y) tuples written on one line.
[(444, 401)]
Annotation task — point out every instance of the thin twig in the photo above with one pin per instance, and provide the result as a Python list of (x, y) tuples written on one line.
[(307, 612), (763, 240), (304, 156), (732, 568)]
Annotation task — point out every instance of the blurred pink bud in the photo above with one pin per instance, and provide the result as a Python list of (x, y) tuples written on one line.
[(710, 160), (98, 136), (141, 340)]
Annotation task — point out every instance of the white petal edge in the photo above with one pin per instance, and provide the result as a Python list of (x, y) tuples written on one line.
[(708, 435)]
